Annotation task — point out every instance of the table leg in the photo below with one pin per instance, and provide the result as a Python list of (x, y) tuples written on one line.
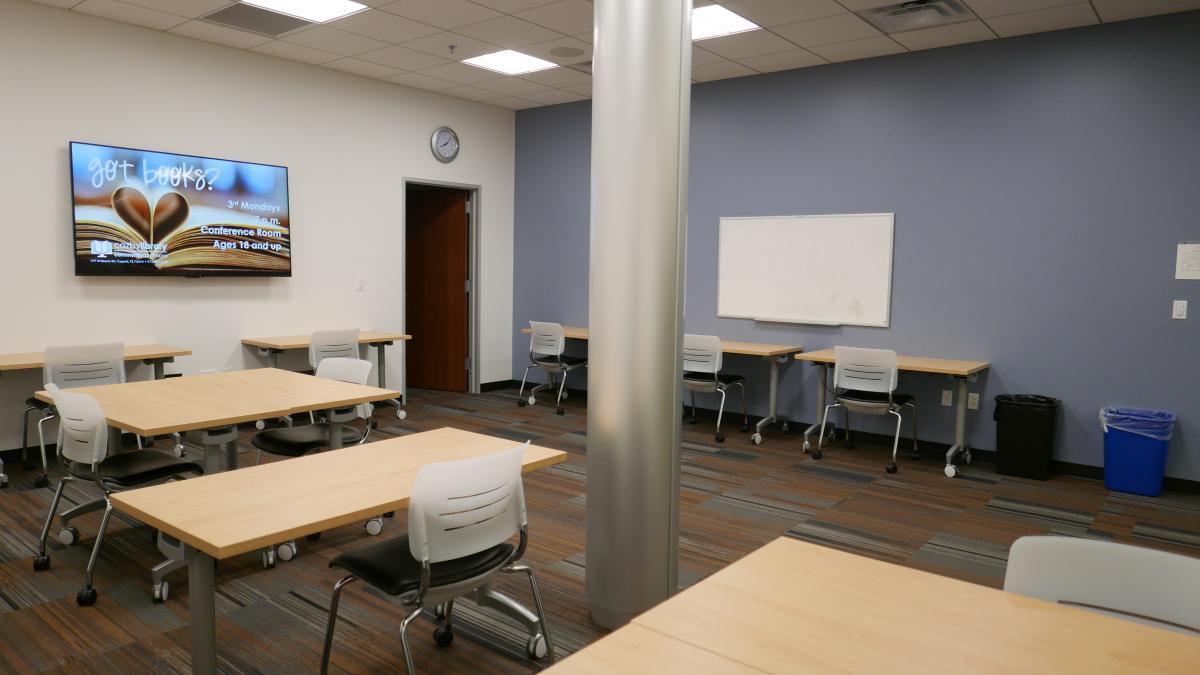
[(960, 428), (272, 356), (380, 351), (335, 432), (203, 601), (815, 427), (772, 413)]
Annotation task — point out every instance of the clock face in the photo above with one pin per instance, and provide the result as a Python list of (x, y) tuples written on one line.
[(444, 144)]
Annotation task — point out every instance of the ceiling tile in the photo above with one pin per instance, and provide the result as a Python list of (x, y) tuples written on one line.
[(944, 36), (559, 77), (61, 4), (554, 97), (380, 25), (858, 49), (119, 11), (419, 81), (364, 68), (403, 58), (439, 44), (582, 90), (797, 58), (839, 28), (509, 31), (513, 103), (512, 6), (750, 43), (701, 56), (511, 86), (860, 5), (986, 9), (1055, 18), (295, 52), (461, 73), (566, 16), (334, 40), (720, 71), (769, 13), (468, 92), (1117, 10), (586, 37), (202, 30), (543, 50), (441, 13), (188, 8)]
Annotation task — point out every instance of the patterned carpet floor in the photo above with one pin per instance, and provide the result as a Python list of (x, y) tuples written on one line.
[(735, 497)]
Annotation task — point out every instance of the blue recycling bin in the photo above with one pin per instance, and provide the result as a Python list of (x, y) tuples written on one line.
[(1135, 449)]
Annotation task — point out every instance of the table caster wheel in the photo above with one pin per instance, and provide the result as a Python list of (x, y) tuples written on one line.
[(784, 428), (69, 536), (720, 438), (891, 467), (816, 454), (756, 439), (41, 481), (443, 636), (401, 414), (314, 536), (374, 526), (566, 395), (531, 400), (287, 551), (536, 647), (951, 471), (161, 591), (560, 411), (41, 563), (966, 457), (3, 481), (86, 597), (178, 450), (268, 559), (260, 425)]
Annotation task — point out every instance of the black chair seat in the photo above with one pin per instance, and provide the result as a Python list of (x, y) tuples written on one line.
[(297, 441), (35, 402), (390, 566), (874, 396), (138, 467), (569, 361), (705, 378)]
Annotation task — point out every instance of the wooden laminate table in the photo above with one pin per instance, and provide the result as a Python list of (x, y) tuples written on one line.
[(771, 353), (216, 402), (849, 613), (961, 371), (224, 515), (152, 355)]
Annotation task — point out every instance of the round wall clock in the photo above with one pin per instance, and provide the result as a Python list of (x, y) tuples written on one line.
[(444, 144)]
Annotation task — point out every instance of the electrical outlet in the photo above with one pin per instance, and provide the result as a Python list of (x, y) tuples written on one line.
[(973, 401), (360, 283), (947, 398), (1179, 309)]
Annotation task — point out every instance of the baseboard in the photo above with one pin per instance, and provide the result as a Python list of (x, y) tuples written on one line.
[(498, 385)]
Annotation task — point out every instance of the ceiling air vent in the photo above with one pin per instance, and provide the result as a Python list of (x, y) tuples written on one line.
[(915, 14), (255, 20)]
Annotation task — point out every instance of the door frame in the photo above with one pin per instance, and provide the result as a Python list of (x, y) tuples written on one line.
[(474, 201)]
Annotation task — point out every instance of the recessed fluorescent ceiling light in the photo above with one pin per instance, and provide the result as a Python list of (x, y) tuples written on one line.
[(510, 62), (716, 21), (318, 11)]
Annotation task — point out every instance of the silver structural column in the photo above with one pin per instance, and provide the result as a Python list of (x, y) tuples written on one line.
[(641, 86)]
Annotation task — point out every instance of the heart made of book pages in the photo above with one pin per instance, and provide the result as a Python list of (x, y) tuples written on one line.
[(170, 211)]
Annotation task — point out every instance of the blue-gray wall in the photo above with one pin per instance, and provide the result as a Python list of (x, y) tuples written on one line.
[(1040, 185)]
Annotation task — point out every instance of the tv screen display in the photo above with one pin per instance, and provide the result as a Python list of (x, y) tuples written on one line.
[(146, 213)]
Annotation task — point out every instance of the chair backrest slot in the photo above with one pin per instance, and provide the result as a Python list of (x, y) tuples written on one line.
[(702, 354), (859, 369), (546, 339), (72, 366)]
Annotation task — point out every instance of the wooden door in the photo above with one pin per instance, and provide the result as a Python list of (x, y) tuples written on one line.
[(437, 270)]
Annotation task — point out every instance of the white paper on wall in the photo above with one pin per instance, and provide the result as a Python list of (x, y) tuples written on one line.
[(1187, 260)]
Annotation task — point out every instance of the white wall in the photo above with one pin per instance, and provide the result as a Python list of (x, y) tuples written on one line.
[(347, 142)]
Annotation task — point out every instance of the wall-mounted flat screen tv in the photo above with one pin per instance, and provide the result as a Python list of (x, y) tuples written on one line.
[(143, 213)]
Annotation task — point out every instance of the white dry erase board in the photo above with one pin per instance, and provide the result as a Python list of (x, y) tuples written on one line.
[(828, 270)]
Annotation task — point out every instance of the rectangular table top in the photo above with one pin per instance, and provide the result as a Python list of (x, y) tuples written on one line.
[(235, 512), (792, 606), (727, 346), (32, 360), (913, 364), (282, 342), (154, 407)]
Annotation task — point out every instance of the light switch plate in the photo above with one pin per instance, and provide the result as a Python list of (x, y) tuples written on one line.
[(1179, 309), (973, 401), (947, 398), (360, 283)]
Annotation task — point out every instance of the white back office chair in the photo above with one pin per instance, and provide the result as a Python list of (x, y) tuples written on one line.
[(83, 445), (324, 344), (298, 441), (1130, 582), (546, 346), (864, 381), (461, 517), (702, 360), (68, 367)]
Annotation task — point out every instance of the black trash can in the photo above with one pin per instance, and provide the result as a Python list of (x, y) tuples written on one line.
[(1025, 426)]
